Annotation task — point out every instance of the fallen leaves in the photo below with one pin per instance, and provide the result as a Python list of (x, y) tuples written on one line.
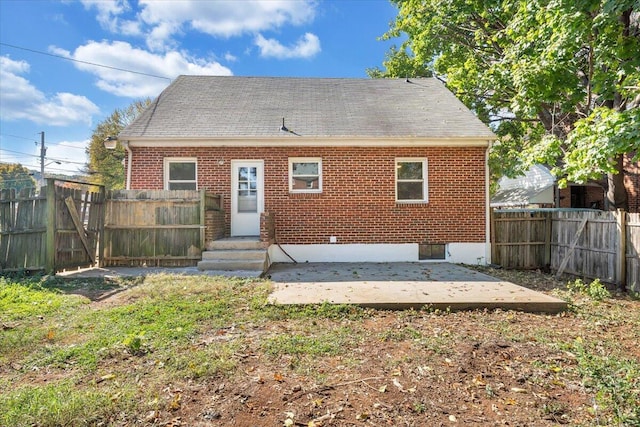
[(398, 385), (176, 402)]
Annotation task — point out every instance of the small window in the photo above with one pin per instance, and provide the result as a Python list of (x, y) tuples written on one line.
[(431, 251), (411, 180), (180, 174), (305, 175)]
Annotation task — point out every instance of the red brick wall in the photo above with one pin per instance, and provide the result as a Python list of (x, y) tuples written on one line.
[(594, 196), (357, 203), (632, 182)]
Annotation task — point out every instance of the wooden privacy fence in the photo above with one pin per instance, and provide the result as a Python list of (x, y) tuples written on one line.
[(158, 227), (586, 243), (57, 228)]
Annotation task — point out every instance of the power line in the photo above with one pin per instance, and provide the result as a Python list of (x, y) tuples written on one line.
[(58, 144), (17, 136), (84, 62), (62, 144), (48, 158)]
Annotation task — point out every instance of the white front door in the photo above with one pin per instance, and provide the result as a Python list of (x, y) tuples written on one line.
[(247, 197)]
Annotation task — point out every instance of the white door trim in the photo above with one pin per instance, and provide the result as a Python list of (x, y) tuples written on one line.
[(246, 223)]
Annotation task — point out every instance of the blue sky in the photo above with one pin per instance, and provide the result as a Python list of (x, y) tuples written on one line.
[(67, 99)]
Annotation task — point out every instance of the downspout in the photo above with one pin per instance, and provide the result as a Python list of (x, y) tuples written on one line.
[(487, 246), (125, 144)]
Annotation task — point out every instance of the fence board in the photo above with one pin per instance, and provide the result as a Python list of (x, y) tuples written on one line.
[(633, 252), (154, 227), (520, 239), (22, 230)]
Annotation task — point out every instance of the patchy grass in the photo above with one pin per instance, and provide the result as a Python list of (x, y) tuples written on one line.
[(64, 403), (190, 350)]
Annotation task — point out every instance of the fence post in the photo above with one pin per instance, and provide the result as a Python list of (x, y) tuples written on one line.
[(548, 224), (50, 257), (621, 217), (492, 235), (203, 209), (102, 219)]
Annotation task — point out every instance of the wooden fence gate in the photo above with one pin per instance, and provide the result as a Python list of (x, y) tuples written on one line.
[(57, 229), (158, 227)]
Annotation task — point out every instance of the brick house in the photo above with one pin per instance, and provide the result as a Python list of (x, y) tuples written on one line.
[(632, 182), (330, 169)]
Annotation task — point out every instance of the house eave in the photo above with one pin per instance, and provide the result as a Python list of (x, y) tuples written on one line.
[(292, 141)]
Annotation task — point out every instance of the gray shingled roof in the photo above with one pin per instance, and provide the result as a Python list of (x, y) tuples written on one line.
[(253, 107)]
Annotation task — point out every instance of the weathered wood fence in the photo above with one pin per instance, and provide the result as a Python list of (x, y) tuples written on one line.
[(58, 228), (585, 243), (158, 227), (70, 225)]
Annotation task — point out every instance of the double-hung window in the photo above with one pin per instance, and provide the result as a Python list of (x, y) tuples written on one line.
[(411, 180), (180, 174), (305, 175)]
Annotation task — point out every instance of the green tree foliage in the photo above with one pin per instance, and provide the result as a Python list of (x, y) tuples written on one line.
[(14, 175), (557, 80), (106, 166)]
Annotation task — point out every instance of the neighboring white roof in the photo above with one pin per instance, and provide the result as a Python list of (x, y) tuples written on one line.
[(534, 187)]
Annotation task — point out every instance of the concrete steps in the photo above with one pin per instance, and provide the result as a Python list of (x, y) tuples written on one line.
[(242, 254)]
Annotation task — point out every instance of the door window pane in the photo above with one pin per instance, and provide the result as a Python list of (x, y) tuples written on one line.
[(247, 189), (248, 202)]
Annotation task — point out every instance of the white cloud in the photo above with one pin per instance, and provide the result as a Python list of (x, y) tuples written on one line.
[(21, 100), (123, 56), (108, 12), (71, 154), (160, 21), (305, 47), (229, 57)]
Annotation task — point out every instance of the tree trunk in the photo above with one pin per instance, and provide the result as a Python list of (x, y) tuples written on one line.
[(617, 197)]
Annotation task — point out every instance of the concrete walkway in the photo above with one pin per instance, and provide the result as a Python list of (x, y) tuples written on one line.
[(401, 286)]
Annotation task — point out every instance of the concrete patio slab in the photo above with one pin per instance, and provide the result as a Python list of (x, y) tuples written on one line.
[(380, 285), (401, 286)]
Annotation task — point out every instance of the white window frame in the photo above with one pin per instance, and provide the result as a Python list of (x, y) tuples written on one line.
[(169, 160), (317, 160), (424, 180)]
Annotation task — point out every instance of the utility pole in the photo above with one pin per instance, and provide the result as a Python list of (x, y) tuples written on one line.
[(43, 154)]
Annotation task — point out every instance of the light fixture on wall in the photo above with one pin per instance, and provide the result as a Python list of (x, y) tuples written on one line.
[(221, 162), (110, 142)]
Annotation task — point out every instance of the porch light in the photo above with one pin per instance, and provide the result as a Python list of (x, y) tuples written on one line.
[(110, 142)]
